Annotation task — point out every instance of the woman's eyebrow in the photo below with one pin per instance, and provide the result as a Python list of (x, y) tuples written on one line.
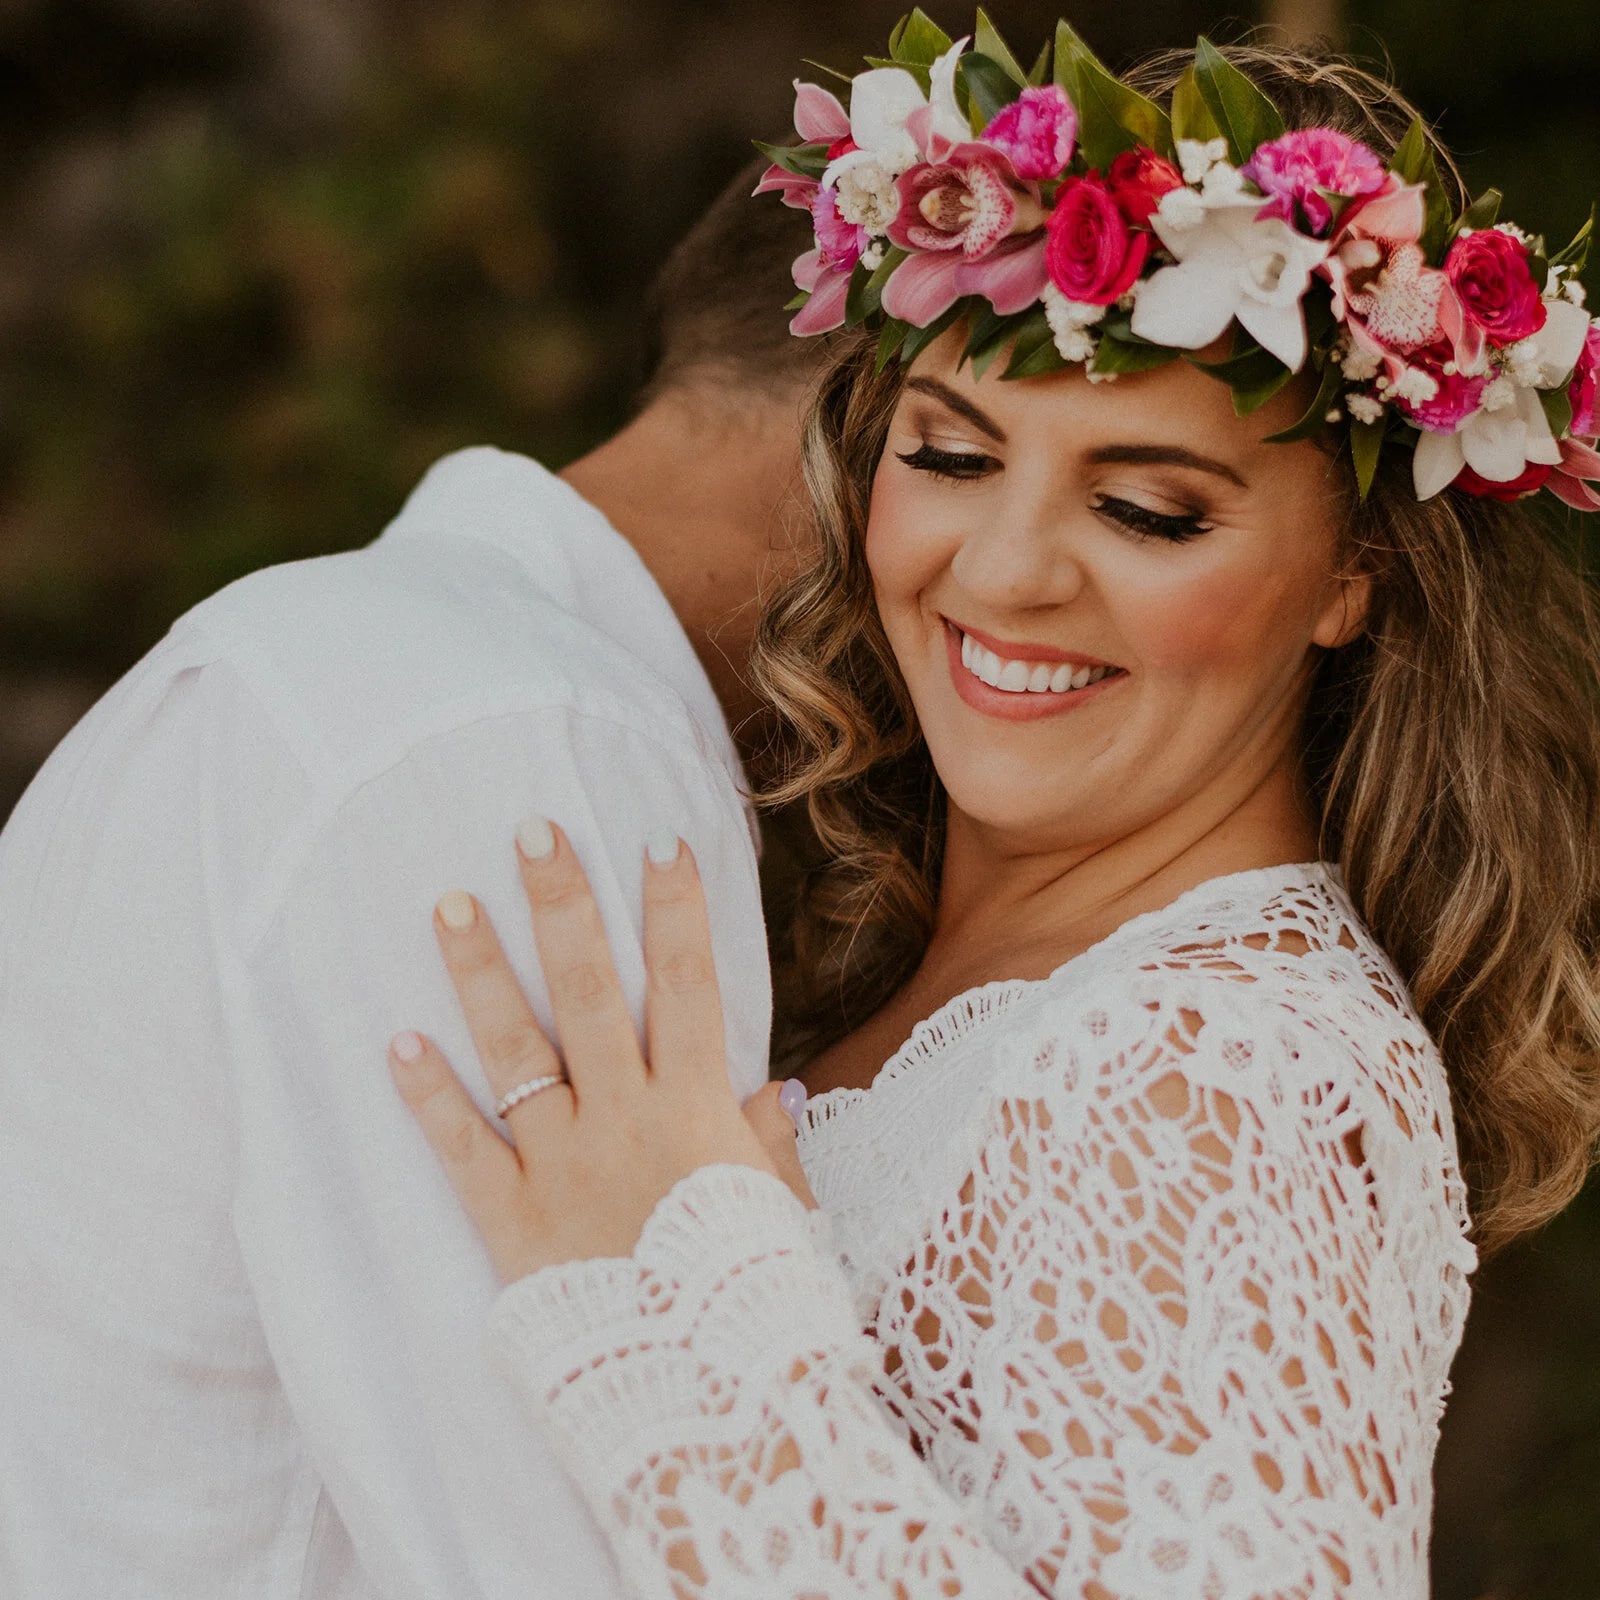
[(1163, 455), (943, 393)]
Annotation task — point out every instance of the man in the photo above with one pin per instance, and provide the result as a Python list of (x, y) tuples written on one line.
[(241, 1315)]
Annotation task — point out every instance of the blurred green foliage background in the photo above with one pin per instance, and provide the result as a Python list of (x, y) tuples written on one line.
[(261, 261)]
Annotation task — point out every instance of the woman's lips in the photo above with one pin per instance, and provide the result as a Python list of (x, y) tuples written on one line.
[(1021, 704)]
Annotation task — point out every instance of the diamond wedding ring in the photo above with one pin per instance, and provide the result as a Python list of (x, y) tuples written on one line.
[(526, 1091)]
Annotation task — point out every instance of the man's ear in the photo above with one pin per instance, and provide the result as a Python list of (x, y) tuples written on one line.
[(1345, 615)]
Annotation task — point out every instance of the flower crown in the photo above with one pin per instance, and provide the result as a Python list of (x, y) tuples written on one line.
[(1069, 220)]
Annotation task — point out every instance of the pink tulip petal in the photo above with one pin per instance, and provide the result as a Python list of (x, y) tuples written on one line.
[(818, 116), (824, 311), (924, 287), (1012, 278)]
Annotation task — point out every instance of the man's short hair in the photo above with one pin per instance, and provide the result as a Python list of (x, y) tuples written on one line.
[(715, 310)]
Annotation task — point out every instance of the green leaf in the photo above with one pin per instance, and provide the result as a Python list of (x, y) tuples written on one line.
[(1111, 116), (985, 358), (918, 339), (1045, 358), (865, 299), (992, 88), (855, 309), (1484, 212), (1557, 405), (986, 41), (803, 160), (1413, 162), (822, 66), (1576, 254), (916, 69), (1316, 416), (1033, 336), (983, 328), (1041, 67), (889, 342), (798, 301), (1366, 446), (1244, 116), (918, 41), (1113, 355), (1253, 374), (1191, 116)]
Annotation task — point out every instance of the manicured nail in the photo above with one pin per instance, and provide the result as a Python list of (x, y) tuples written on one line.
[(407, 1046), (536, 839), (456, 909), (792, 1097), (662, 846)]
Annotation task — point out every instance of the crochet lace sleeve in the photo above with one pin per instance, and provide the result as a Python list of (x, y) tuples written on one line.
[(1148, 1347)]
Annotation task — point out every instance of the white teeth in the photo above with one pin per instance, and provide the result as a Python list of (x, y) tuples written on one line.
[(1025, 677)]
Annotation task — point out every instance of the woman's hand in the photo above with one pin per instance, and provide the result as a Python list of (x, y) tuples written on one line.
[(592, 1155)]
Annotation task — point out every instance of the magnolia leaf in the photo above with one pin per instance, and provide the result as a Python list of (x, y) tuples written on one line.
[(1366, 446), (1253, 374), (1538, 269), (1484, 212), (1576, 254), (889, 342), (1322, 327), (1557, 405), (1413, 162), (1041, 68), (1191, 116), (1245, 117), (803, 160), (986, 41), (918, 41), (1316, 417), (985, 358), (1114, 355), (1045, 358), (992, 88)]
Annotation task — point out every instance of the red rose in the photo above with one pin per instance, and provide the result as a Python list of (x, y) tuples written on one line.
[(1491, 275), (1584, 391), (1091, 255), (1530, 482), (1137, 180)]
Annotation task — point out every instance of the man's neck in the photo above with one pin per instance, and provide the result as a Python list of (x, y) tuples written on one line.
[(705, 485)]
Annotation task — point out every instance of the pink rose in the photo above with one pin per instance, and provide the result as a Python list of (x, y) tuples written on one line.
[(1490, 273), (840, 242), (1092, 255), (1457, 399), (966, 203), (1137, 180), (1036, 132), (1294, 171), (1585, 390), (1529, 482)]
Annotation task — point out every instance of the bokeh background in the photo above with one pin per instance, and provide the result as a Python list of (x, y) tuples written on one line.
[(261, 261)]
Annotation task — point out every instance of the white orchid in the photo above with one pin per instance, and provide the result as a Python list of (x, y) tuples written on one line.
[(1230, 265), (1499, 442), (894, 125)]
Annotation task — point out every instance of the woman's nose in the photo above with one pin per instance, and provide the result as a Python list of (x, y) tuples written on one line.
[(1022, 558)]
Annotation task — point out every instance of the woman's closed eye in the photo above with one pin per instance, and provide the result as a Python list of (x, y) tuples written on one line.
[(961, 465), (1152, 524)]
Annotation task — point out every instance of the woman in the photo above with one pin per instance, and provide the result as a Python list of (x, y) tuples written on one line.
[(1210, 813)]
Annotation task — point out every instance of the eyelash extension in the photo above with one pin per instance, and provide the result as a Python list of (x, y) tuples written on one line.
[(1153, 524), (961, 465)]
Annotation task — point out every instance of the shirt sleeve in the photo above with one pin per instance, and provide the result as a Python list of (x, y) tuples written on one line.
[(1139, 1353)]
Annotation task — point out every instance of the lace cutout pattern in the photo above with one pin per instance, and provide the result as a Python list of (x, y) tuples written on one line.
[(1162, 1262)]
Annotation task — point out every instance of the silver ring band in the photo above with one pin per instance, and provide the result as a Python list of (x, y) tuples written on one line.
[(526, 1091)]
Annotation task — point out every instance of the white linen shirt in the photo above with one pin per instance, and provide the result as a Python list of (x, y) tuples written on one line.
[(242, 1348)]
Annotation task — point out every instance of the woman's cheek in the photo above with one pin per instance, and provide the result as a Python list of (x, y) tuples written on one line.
[(903, 543)]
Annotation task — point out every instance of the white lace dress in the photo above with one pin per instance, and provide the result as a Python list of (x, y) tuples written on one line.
[(1161, 1265)]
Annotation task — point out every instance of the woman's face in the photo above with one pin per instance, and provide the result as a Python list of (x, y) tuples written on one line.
[(1105, 598)]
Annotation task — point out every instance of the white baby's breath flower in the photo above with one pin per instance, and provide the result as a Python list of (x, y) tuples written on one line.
[(1363, 407), (1501, 395), (1524, 363), (1514, 231), (867, 196), (872, 256), (1070, 321), (1181, 209), (1415, 386), (1197, 157), (1360, 366), (1573, 290), (1100, 377)]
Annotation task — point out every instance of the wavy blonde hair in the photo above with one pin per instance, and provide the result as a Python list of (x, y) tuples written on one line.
[(1453, 752)]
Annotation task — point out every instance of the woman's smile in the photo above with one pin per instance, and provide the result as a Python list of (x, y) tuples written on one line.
[(1021, 682)]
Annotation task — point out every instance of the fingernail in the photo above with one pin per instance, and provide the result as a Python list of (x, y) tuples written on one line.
[(407, 1046), (792, 1097), (662, 846), (536, 839), (456, 909)]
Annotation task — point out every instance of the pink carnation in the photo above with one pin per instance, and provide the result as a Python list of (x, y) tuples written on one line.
[(1294, 170), (1490, 273), (1585, 390), (841, 243), (1092, 255), (1457, 399), (1037, 132)]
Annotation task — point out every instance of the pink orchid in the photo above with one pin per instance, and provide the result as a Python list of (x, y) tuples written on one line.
[(1385, 293), (1575, 479), (828, 287), (796, 191), (1299, 171), (1036, 132), (818, 116), (1011, 278), (968, 202)]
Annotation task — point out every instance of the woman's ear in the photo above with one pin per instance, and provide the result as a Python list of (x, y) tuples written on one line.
[(1345, 615)]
